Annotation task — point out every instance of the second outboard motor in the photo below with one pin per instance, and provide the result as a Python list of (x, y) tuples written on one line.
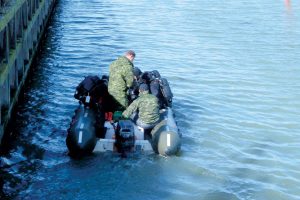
[(125, 138), (81, 138)]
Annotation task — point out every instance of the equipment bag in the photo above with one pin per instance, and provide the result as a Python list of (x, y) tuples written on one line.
[(166, 92), (147, 77), (156, 91), (86, 86), (92, 88), (155, 74)]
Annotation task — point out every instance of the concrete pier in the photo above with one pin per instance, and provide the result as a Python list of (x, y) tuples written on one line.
[(22, 23)]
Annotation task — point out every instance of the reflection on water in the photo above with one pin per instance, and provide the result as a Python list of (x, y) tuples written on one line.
[(234, 70)]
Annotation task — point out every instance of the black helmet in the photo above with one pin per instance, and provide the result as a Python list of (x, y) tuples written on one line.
[(144, 87)]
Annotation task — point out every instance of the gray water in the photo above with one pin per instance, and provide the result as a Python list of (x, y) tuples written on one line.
[(233, 67)]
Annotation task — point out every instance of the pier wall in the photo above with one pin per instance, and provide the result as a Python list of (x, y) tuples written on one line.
[(22, 23)]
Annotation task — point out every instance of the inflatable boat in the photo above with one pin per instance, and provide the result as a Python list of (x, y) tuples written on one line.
[(98, 127)]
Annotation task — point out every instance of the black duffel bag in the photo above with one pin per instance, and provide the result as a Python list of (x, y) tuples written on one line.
[(91, 88), (166, 92)]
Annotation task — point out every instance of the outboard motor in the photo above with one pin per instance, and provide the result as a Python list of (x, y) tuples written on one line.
[(81, 138), (125, 138)]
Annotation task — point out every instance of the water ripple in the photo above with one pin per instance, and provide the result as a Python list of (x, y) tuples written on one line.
[(233, 68)]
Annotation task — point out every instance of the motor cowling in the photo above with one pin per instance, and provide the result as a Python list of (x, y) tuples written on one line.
[(125, 138)]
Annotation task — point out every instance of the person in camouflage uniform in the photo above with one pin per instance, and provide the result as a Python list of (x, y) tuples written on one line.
[(121, 78), (147, 106)]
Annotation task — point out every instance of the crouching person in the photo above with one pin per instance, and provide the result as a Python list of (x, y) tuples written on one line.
[(144, 111)]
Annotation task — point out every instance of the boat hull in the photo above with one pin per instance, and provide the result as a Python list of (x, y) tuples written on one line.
[(164, 139), (81, 138)]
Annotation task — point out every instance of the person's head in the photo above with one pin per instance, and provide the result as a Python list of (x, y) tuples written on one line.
[(143, 88), (130, 55)]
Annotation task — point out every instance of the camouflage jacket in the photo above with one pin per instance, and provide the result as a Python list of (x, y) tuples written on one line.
[(120, 76), (147, 106)]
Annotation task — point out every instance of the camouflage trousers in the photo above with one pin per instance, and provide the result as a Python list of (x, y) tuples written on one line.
[(121, 99), (134, 117)]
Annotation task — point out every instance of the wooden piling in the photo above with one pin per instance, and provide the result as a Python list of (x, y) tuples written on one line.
[(22, 23)]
